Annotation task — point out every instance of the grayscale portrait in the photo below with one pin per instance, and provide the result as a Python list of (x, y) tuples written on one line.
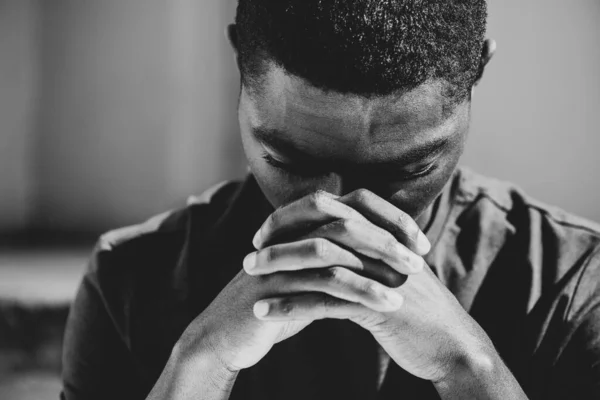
[(299, 199)]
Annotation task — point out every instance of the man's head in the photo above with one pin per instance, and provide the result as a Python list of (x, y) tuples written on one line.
[(340, 95)]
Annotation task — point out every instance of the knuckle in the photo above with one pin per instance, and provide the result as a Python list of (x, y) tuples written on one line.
[(338, 274), (406, 225), (345, 226), (271, 280), (419, 263), (319, 200), (404, 257), (351, 225), (329, 274), (328, 303), (320, 248), (362, 195), (369, 289), (403, 221), (270, 254), (321, 193), (286, 306), (403, 218), (273, 219), (413, 259), (413, 262), (413, 233), (391, 246)]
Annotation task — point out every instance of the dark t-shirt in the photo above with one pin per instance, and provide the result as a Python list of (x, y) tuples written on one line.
[(529, 274)]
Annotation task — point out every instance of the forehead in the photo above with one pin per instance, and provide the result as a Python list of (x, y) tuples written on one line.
[(289, 104)]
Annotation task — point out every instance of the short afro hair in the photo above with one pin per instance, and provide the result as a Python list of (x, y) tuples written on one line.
[(364, 47)]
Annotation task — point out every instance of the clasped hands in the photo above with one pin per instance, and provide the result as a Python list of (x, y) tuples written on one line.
[(358, 257)]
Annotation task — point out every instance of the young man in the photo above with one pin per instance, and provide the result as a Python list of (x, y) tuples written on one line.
[(355, 261)]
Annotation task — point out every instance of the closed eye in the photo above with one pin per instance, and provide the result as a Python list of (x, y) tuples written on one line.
[(296, 170), (293, 169), (404, 175)]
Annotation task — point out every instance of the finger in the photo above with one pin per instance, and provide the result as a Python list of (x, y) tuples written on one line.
[(317, 208), (344, 284), (389, 217), (318, 253), (363, 237), (307, 307), (302, 254)]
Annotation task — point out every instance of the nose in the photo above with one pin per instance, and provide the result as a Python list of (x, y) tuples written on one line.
[(351, 182), (342, 184)]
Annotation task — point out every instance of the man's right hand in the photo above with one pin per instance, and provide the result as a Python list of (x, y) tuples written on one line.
[(229, 329)]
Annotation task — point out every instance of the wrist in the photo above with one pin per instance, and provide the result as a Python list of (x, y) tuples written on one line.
[(480, 375), (188, 375), (200, 358), (470, 365), (200, 352), (474, 356)]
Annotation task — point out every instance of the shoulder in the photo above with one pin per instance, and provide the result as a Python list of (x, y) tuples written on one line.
[(558, 249), (172, 225), (522, 213), (140, 263), (165, 234), (509, 197)]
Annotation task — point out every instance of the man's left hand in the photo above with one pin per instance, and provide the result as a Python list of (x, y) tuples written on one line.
[(431, 336)]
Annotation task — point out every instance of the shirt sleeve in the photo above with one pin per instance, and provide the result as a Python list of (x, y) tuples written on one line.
[(96, 361), (576, 373)]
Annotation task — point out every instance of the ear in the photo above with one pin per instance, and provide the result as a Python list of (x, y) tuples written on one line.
[(488, 51), (232, 37)]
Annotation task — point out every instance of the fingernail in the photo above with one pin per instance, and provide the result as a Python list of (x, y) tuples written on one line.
[(423, 245), (256, 241), (394, 298), (261, 309), (250, 262)]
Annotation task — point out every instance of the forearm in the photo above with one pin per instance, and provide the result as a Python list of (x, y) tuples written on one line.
[(483, 376), (200, 378)]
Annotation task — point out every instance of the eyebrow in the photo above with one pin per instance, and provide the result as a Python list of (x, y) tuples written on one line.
[(276, 140)]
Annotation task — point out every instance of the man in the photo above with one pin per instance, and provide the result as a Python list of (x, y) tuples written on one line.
[(355, 261)]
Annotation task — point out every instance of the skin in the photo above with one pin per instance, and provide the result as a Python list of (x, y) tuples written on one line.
[(350, 132), (344, 242)]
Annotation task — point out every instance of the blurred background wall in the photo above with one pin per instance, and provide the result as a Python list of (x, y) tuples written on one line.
[(18, 91), (113, 110), (537, 112)]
